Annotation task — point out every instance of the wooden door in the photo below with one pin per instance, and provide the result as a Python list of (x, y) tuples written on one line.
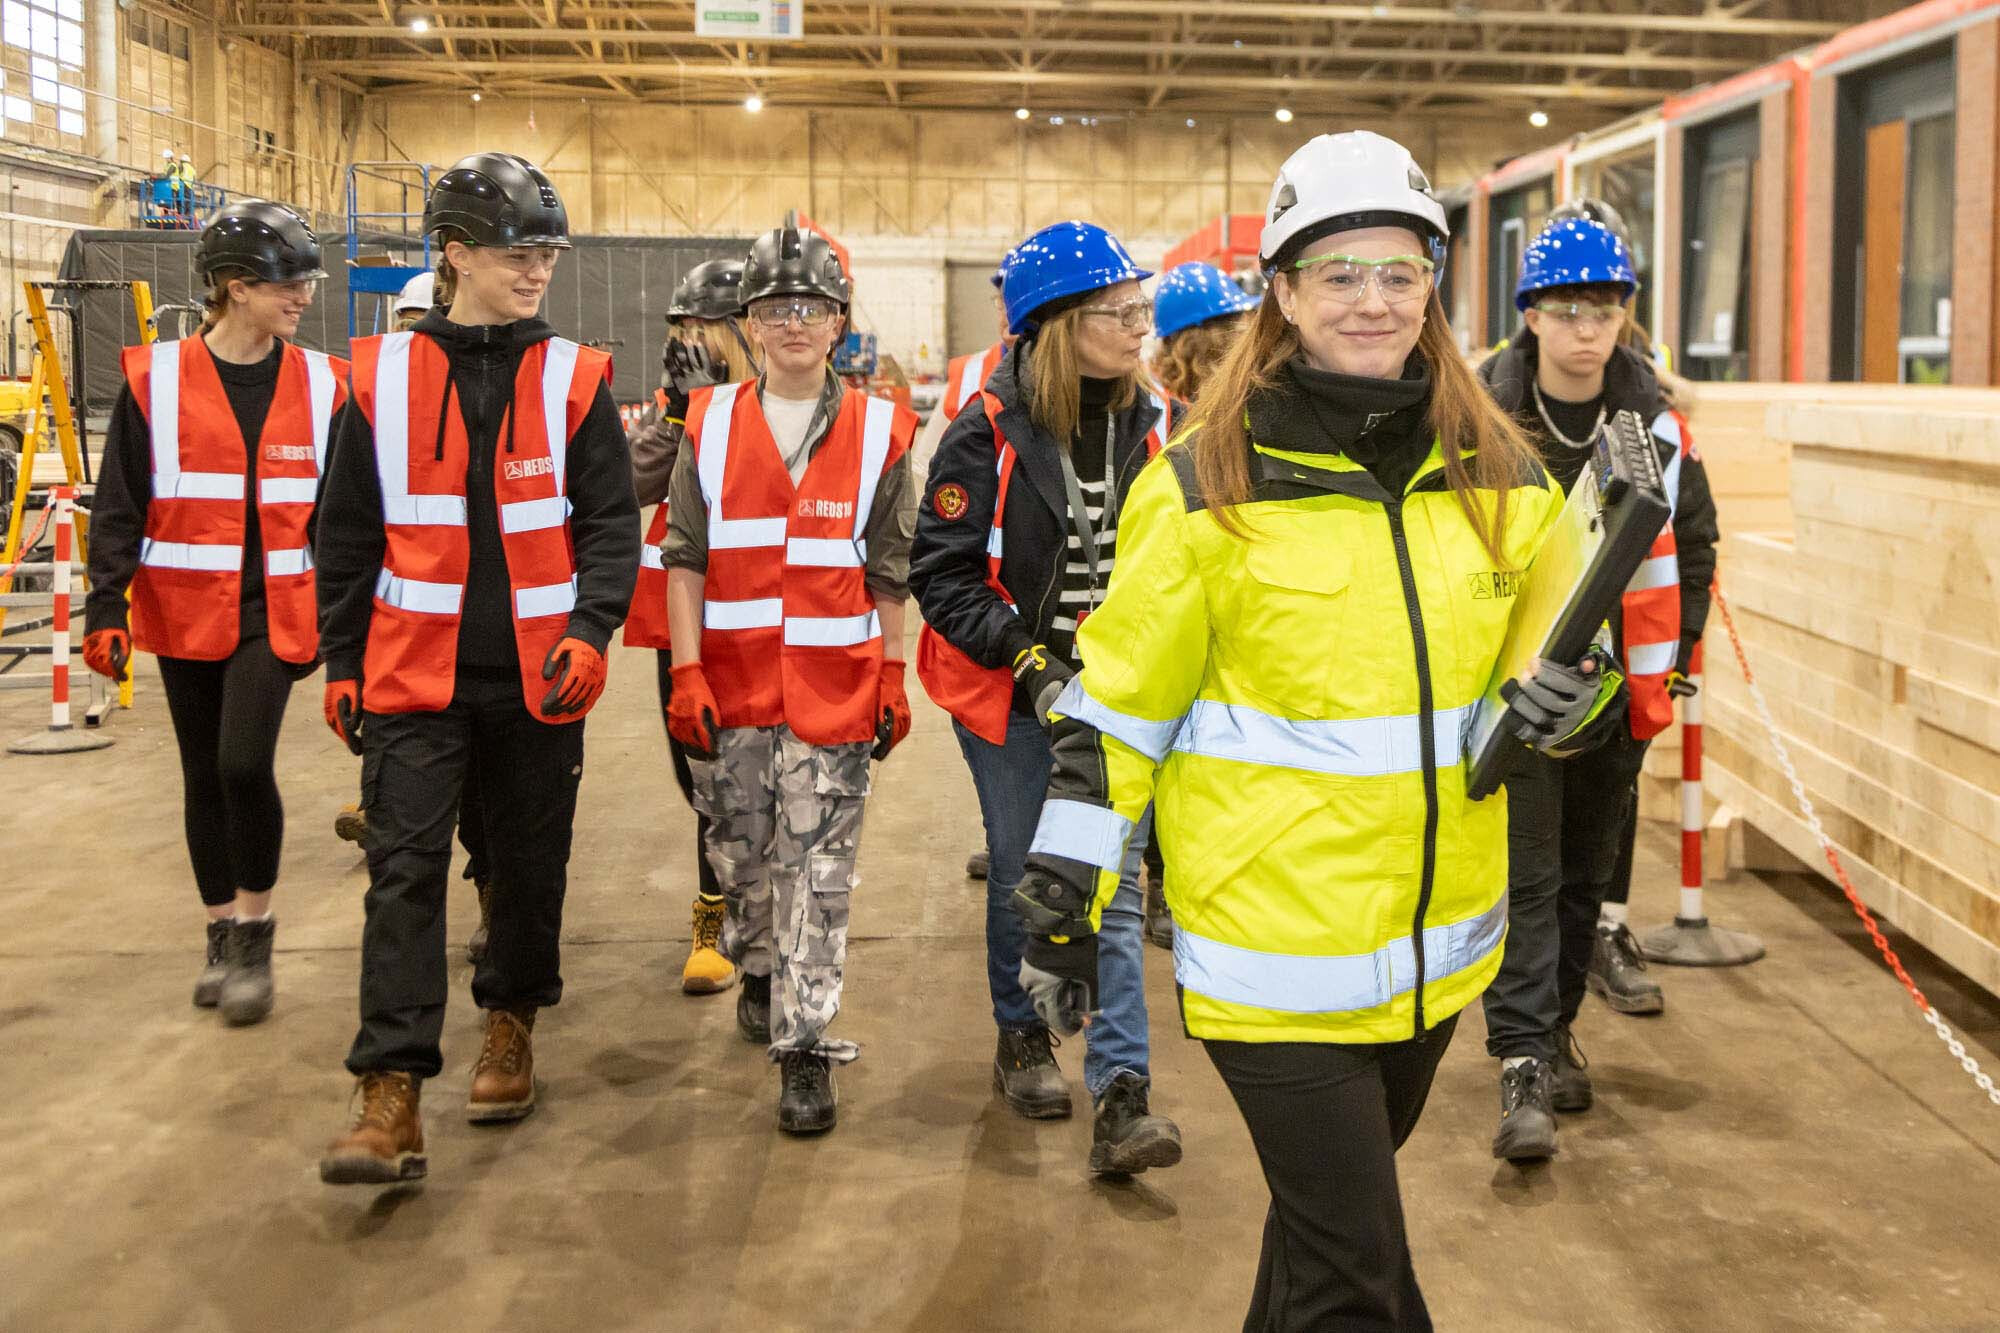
[(1882, 252)]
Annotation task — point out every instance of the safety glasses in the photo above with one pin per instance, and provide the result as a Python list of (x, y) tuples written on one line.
[(1400, 278), (1581, 314), (525, 259), (1133, 316), (778, 311)]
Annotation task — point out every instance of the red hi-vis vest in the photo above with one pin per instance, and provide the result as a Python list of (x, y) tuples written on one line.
[(965, 379), (646, 620), (980, 698), (1652, 601), (399, 383), (789, 630), (187, 591)]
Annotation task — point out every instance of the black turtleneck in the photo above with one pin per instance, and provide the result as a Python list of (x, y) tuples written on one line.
[(1382, 424)]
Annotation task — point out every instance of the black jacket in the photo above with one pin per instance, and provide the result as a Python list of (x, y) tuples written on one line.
[(1629, 385), (349, 539), (948, 560)]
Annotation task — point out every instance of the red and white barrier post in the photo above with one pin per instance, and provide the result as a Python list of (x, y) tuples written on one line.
[(61, 737)]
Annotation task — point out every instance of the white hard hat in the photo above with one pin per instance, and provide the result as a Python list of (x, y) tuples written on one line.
[(1356, 179), (186, 158), (167, 153), (419, 293)]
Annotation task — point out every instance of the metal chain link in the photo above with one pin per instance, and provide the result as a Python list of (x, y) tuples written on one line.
[(1957, 1048)]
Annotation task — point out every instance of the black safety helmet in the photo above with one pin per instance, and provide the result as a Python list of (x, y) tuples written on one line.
[(266, 240), (712, 289), (498, 199), (1588, 208), (789, 262)]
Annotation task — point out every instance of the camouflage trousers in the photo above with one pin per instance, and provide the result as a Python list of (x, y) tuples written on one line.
[(785, 825)]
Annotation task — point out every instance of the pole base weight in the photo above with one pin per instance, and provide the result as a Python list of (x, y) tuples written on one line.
[(1695, 943), (68, 740)]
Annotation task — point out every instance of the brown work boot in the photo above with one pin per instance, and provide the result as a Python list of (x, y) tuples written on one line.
[(386, 1144), (351, 824), (475, 948), (503, 1077)]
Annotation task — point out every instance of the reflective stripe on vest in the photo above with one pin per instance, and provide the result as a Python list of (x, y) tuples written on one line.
[(293, 560), (392, 470), (1336, 983), (211, 556), (163, 421), (1651, 604), (429, 599), (970, 382)]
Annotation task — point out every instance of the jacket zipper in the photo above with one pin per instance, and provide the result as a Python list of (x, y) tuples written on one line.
[(1427, 738)]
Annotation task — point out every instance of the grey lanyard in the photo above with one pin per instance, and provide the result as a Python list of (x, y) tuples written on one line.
[(1079, 514)]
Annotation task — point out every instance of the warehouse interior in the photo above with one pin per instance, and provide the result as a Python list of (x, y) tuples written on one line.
[(1808, 1137)]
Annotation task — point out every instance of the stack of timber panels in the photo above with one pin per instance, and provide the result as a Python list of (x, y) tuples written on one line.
[(1874, 630)]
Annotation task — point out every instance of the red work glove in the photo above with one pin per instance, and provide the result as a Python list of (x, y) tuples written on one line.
[(893, 707), (107, 652), (343, 712), (578, 672), (692, 713)]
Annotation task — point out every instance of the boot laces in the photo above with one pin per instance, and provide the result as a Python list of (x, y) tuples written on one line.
[(1571, 1049), (707, 924), (1036, 1047), (385, 1100), (1628, 947), (506, 1043), (801, 1071), (218, 944)]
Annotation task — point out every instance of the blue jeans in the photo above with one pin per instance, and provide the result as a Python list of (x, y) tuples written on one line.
[(1012, 781)]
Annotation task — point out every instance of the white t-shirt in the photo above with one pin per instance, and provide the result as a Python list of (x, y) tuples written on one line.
[(790, 419)]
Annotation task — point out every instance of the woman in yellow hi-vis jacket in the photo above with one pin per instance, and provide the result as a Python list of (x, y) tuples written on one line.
[(1301, 617)]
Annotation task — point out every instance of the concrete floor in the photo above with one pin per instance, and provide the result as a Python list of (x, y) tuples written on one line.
[(1787, 1148)]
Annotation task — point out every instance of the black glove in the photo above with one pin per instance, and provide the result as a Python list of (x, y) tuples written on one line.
[(1061, 978), (1679, 686), (689, 366), (1549, 706), (1038, 678)]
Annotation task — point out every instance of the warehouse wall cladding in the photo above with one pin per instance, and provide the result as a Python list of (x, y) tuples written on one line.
[(611, 292)]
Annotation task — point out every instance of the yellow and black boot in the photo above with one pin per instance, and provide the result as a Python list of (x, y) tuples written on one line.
[(707, 971)]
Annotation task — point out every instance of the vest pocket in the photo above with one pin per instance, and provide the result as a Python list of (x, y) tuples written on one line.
[(1283, 642)]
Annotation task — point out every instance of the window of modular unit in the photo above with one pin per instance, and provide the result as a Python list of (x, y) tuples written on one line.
[(1923, 345), (1626, 182), (1517, 215)]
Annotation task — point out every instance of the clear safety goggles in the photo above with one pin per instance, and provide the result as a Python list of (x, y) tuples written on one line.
[(1581, 314), (524, 259), (1399, 278), (1134, 316), (777, 311)]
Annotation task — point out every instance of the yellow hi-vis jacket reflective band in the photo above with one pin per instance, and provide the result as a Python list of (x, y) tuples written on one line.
[(1293, 705)]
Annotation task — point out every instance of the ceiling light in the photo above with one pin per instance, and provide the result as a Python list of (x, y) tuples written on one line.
[(1284, 115), (753, 103), (1021, 113), (1190, 122), (420, 24), (1055, 120), (1538, 118), (477, 97)]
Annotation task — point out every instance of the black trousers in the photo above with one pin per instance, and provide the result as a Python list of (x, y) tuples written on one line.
[(1327, 1120), (684, 776), (226, 717), (1566, 822), (413, 770), (1621, 877)]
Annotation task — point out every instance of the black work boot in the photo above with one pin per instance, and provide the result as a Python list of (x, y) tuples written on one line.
[(976, 864), (208, 986), (1617, 973), (1127, 1138), (246, 992), (806, 1103), (753, 1009), (1570, 1089), (1026, 1074), (475, 948), (1527, 1120)]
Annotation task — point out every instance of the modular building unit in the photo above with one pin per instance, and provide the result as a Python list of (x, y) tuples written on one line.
[(1509, 206), (1621, 165)]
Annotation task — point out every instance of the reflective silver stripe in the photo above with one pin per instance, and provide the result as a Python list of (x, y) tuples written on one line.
[(875, 424), (432, 599), (1660, 571), (163, 421), (1088, 833), (534, 515), (832, 631), (969, 382), (1152, 739), (649, 556), (297, 560), (1357, 747), (210, 557), (1333, 983), (712, 449), (1668, 429), (558, 369), (392, 417), (319, 395), (996, 543), (736, 534), (287, 490), (761, 613), (1651, 659), (548, 599), (826, 552), (197, 485), (424, 511)]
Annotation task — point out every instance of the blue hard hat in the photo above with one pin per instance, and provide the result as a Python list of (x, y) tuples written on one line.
[(1062, 259), (1574, 252), (1194, 293), (999, 278)]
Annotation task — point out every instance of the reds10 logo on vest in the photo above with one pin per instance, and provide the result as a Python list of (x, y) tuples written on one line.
[(826, 508), (517, 468)]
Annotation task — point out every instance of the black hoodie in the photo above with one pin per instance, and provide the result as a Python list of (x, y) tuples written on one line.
[(604, 521)]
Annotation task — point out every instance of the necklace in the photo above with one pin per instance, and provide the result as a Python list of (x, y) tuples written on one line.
[(1587, 441)]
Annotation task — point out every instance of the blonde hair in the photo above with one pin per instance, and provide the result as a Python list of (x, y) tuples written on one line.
[(1187, 358), (447, 276), (727, 348), (1055, 387), (1464, 418)]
